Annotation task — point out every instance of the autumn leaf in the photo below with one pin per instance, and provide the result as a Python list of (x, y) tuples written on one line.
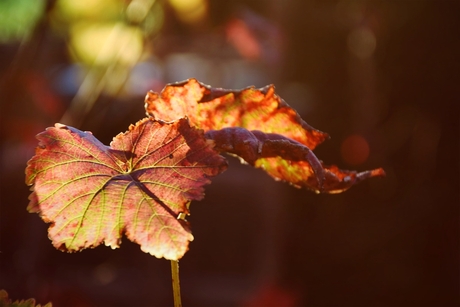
[(258, 126), (286, 159), (7, 302), (214, 108), (141, 185)]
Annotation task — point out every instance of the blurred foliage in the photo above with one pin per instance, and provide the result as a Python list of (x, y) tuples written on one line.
[(107, 39), (18, 18), (105, 43), (106, 32), (98, 10), (7, 302)]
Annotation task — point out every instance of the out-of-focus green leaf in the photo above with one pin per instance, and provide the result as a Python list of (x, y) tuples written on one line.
[(18, 18)]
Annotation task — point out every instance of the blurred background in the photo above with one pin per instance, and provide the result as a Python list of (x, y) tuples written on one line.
[(381, 77)]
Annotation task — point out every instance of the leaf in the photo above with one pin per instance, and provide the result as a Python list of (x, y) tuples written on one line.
[(261, 119), (286, 159), (141, 185), (6, 302), (214, 108)]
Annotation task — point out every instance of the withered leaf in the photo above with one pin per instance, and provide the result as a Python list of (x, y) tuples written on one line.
[(258, 126), (214, 108)]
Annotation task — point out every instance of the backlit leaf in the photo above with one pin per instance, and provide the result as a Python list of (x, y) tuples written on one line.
[(263, 120), (141, 185), (215, 108)]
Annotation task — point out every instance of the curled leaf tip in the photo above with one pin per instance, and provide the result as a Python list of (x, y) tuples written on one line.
[(379, 172)]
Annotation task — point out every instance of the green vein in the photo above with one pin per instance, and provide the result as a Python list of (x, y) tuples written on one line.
[(88, 150), (150, 153), (176, 188), (86, 208), (53, 193)]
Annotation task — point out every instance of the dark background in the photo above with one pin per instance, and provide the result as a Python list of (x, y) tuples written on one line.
[(386, 71)]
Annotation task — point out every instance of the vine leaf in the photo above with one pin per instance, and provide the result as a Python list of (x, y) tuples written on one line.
[(214, 108), (258, 126), (141, 185)]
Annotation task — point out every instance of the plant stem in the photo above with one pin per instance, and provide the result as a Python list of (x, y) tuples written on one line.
[(176, 283)]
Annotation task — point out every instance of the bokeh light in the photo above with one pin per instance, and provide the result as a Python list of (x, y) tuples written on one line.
[(240, 36), (355, 149), (190, 11), (362, 42), (137, 10), (104, 44)]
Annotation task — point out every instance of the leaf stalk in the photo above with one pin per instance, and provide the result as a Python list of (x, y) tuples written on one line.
[(176, 283)]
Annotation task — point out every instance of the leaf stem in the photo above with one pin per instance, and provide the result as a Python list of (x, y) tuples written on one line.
[(176, 283)]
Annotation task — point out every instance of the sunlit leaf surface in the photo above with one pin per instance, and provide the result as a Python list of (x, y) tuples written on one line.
[(267, 132), (140, 185), (215, 108)]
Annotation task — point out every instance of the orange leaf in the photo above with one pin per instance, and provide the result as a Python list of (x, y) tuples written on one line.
[(258, 126), (214, 108)]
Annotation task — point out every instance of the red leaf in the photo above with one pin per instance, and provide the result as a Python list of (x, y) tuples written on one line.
[(258, 126), (139, 185)]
